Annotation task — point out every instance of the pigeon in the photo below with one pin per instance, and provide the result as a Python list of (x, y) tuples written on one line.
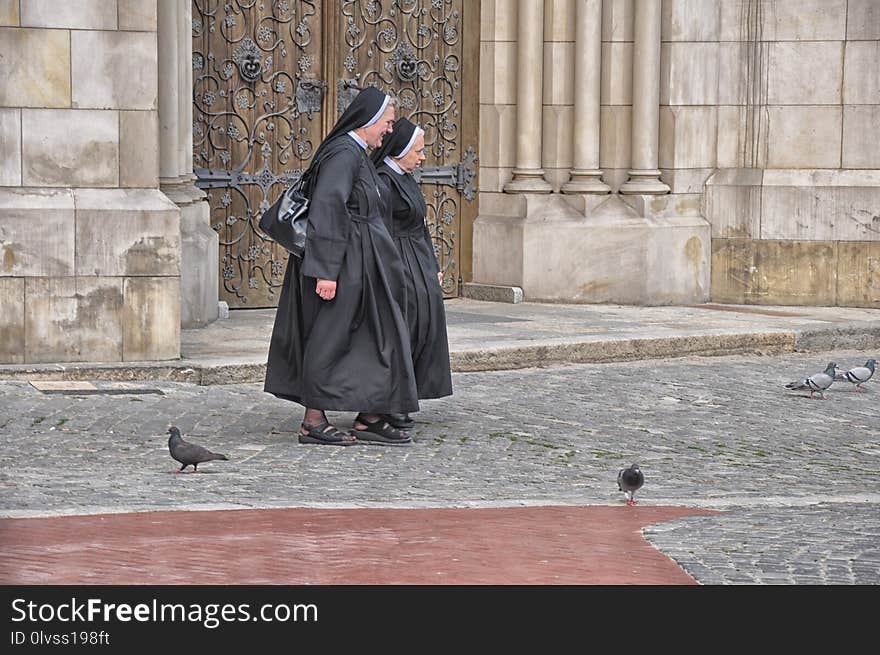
[(189, 453), (858, 375), (815, 383), (629, 481)]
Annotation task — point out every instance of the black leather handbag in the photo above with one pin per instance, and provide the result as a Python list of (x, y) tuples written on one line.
[(287, 218)]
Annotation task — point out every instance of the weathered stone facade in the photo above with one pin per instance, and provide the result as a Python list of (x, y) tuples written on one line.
[(90, 246), (794, 202), (765, 132), (574, 206), (630, 151)]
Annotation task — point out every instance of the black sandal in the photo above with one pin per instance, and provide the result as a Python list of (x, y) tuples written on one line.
[(380, 431), (325, 433), (400, 421)]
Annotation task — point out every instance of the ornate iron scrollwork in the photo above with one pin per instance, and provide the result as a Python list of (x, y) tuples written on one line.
[(253, 129), (255, 93), (414, 47), (447, 175), (346, 92), (310, 96), (460, 175), (247, 57), (467, 172), (208, 178), (405, 62)]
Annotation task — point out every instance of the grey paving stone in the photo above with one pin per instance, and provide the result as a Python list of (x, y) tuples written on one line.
[(795, 479)]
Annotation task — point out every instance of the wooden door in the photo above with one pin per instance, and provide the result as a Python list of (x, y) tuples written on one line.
[(270, 78), (258, 100), (427, 53)]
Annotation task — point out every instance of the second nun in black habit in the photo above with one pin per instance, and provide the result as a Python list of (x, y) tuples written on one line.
[(399, 155), (340, 340)]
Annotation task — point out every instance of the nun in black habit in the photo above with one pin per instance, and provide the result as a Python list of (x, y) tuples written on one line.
[(340, 340), (398, 156)]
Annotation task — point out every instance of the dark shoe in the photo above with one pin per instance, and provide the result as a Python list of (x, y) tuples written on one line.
[(401, 421), (324, 433), (380, 431)]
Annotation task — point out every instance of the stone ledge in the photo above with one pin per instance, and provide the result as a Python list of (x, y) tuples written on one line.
[(621, 350), (202, 373), (211, 372), (492, 293), (862, 337), (181, 371)]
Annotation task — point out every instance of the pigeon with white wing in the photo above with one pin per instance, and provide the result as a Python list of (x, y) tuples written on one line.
[(857, 376), (816, 383)]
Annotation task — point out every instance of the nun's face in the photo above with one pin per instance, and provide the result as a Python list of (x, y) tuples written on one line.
[(416, 155), (374, 133)]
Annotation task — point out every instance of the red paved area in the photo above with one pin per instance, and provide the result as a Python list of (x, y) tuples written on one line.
[(518, 545)]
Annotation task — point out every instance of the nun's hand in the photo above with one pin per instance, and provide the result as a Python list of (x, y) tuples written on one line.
[(440, 277), (326, 289)]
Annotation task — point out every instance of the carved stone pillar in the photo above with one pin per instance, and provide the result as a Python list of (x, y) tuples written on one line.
[(199, 285), (528, 176), (169, 92), (184, 95), (644, 177), (586, 177)]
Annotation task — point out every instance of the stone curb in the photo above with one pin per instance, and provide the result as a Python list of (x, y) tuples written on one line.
[(491, 359), (200, 373), (859, 337), (188, 371), (621, 350)]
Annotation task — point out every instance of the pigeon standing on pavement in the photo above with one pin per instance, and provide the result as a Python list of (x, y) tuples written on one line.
[(629, 481), (858, 375), (815, 383), (189, 453)]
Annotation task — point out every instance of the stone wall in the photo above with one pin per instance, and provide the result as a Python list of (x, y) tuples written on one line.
[(769, 120), (771, 110), (498, 25), (561, 230), (89, 247)]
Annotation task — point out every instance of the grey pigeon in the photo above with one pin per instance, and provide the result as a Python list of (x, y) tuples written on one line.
[(858, 375), (189, 453), (815, 383), (629, 481)]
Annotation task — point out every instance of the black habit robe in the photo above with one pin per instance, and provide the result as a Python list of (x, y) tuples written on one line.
[(425, 313), (351, 353)]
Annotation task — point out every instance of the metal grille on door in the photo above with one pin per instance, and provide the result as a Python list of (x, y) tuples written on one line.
[(419, 50), (271, 76), (255, 125)]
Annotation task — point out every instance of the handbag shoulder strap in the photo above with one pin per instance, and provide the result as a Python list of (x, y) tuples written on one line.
[(307, 179)]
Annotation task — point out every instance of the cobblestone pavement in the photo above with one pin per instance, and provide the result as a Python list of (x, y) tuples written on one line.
[(830, 543), (797, 478)]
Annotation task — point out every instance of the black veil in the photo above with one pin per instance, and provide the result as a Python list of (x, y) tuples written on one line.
[(367, 107), (395, 144)]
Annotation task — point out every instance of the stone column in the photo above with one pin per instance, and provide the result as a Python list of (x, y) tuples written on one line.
[(528, 176), (586, 177), (644, 177), (199, 285), (184, 94), (169, 92), (188, 85)]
